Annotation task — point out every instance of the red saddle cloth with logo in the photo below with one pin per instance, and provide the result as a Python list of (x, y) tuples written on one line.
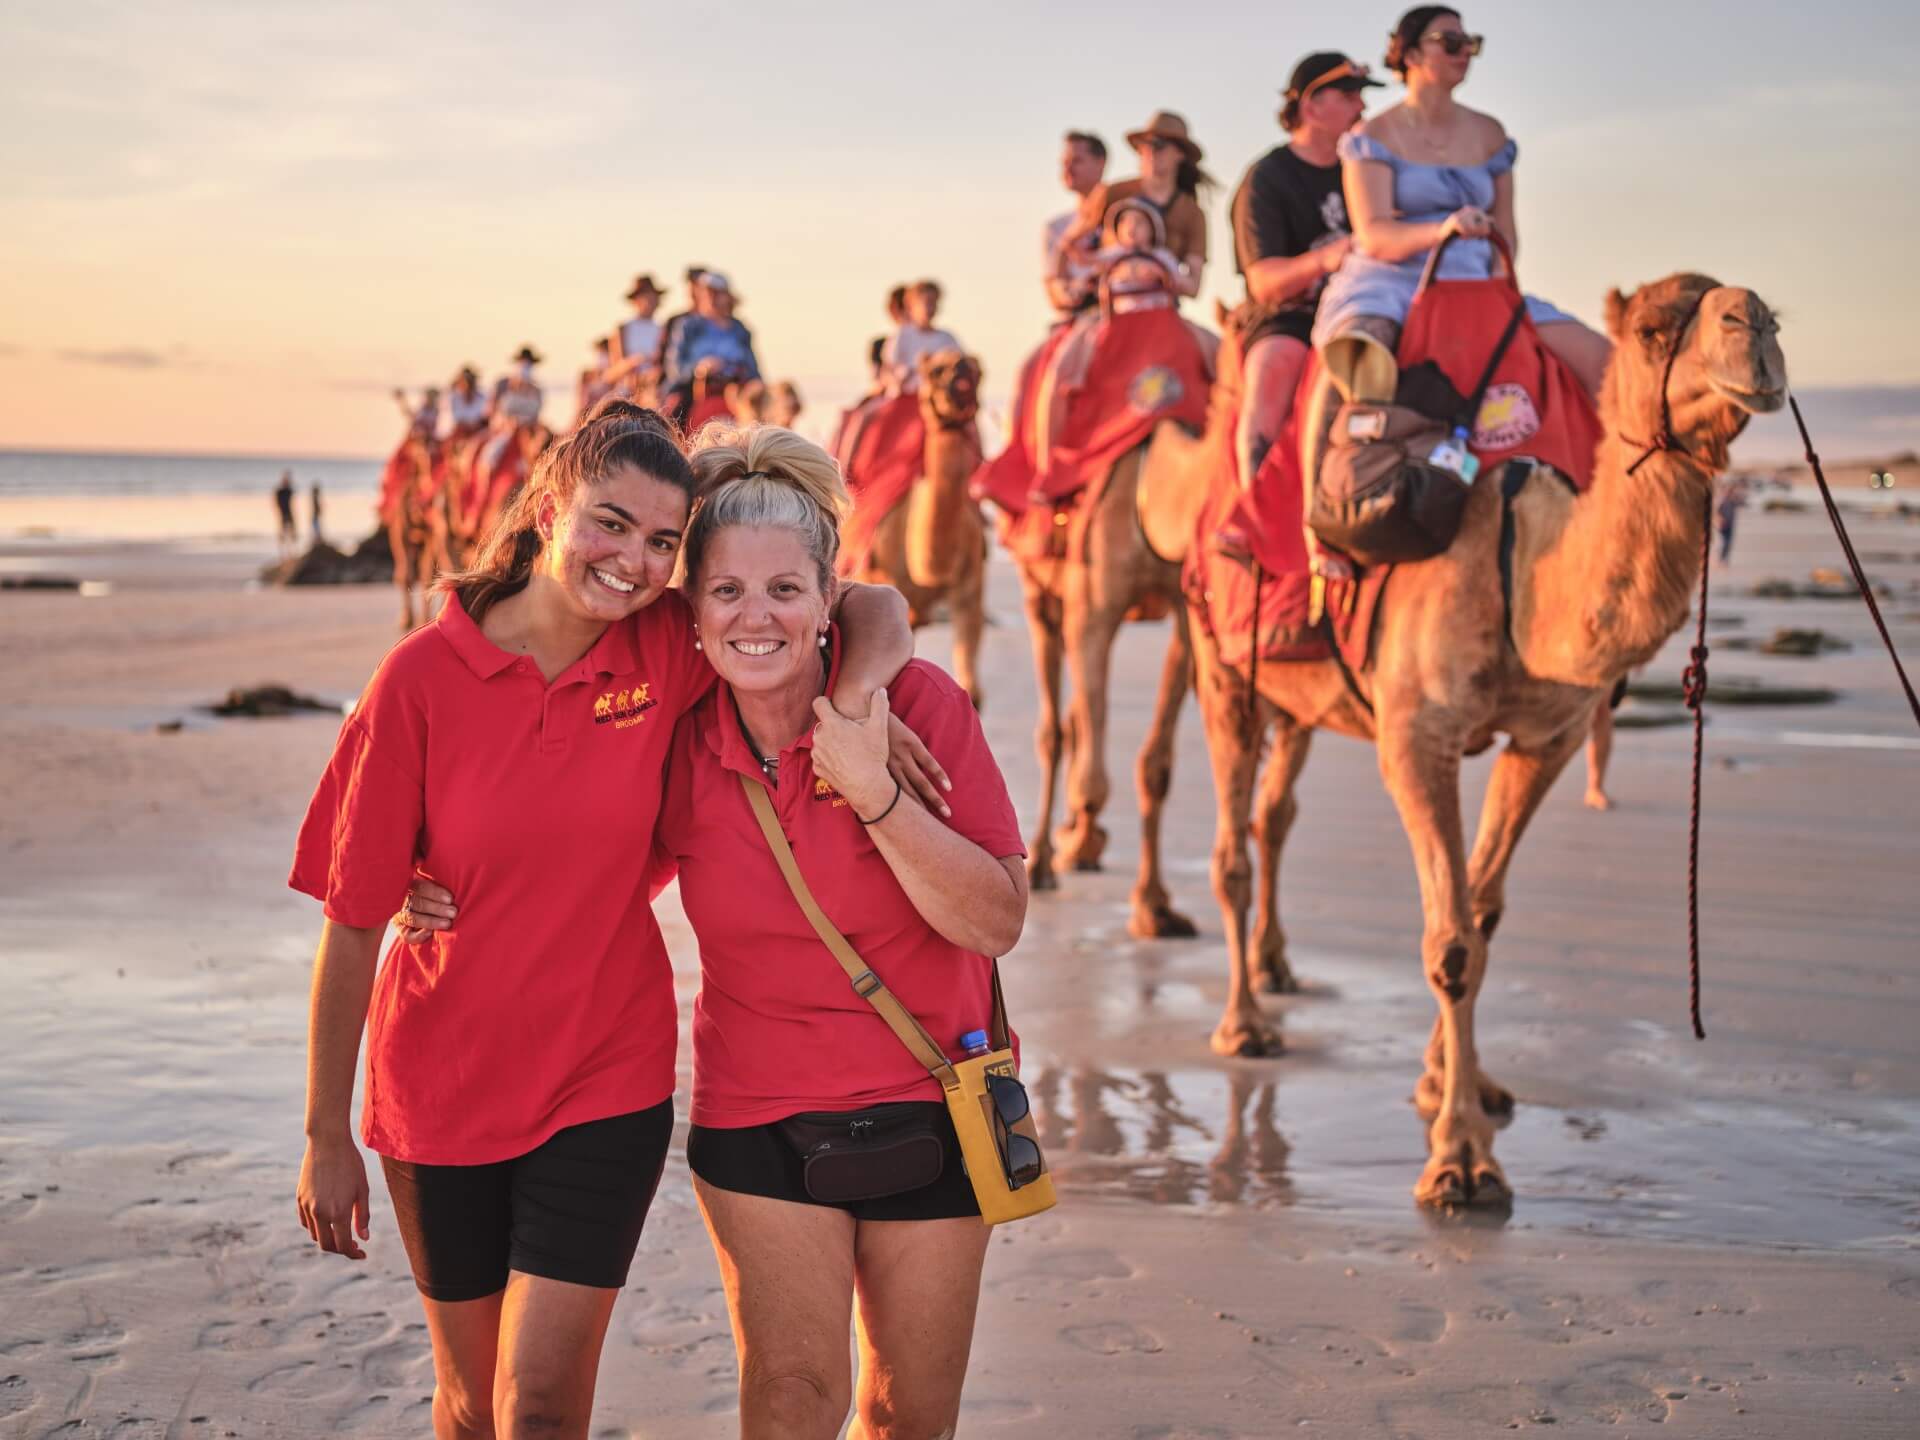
[(1534, 406), (888, 452), (1110, 386)]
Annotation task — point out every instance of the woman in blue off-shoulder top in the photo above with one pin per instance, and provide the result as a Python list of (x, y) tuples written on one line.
[(1426, 168)]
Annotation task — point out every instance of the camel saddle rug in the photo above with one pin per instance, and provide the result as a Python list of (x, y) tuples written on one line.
[(1249, 557), (1107, 381), (888, 454)]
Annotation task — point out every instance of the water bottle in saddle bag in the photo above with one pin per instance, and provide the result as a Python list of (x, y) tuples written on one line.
[(1394, 476)]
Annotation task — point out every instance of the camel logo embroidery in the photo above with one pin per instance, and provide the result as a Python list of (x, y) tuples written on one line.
[(1154, 389), (1506, 419), (824, 791), (623, 708)]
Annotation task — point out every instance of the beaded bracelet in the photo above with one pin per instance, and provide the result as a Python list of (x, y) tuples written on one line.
[(897, 787)]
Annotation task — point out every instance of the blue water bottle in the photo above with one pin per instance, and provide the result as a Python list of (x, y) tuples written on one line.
[(976, 1042)]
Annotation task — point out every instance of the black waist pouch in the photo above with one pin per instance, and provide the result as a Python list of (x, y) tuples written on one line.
[(864, 1154)]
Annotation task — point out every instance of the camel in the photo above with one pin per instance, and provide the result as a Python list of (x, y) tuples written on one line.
[(1599, 583), (417, 533), (933, 547), (1074, 610)]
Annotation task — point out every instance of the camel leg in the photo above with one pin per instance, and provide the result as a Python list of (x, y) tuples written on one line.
[(1043, 619), (1154, 917), (1090, 632), (1420, 762), (1275, 812), (1234, 754), (967, 608), (402, 573), (1520, 781)]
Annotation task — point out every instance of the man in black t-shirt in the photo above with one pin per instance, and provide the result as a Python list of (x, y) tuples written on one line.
[(1289, 233)]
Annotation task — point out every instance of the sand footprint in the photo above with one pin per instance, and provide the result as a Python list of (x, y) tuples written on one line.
[(1419, 1324), (15, 1395), (300, 1380), (1112, 1337)]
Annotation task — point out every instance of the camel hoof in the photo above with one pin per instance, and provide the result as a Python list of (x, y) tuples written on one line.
[(1246, 1041), (1040, 874), (1442, 1187), (1076, 849), (1495, 1099), (1159, 922), (1490, 1188), (1278, 980)]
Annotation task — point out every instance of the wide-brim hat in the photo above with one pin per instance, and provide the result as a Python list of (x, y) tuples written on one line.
[(1328, 70), (528, 355), (643, 285), (1165, 125)]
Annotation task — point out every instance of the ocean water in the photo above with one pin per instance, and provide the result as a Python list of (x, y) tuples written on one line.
[(26, 474)]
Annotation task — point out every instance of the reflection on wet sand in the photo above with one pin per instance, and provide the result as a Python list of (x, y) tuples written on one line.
[(1133, 1134)]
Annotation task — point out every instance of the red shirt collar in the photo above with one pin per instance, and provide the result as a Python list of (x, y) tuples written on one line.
[(720, 719), (612, 653)]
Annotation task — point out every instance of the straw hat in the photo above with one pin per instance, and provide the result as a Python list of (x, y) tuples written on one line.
[(1165, 125)]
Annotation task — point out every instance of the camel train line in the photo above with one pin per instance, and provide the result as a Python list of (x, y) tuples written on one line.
[(1519, 627)]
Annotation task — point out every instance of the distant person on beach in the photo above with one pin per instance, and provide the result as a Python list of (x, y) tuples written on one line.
[(283, 506), (711, 338), (520, 1068), (313, 501), (423, 420), (926, 897), (1290, 232), (784, 404), (594, 385), (1733, 499)]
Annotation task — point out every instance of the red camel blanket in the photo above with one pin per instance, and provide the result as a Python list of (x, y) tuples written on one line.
[(887, 455)]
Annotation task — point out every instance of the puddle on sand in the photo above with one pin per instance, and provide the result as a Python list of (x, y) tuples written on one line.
[(1348, 1142)]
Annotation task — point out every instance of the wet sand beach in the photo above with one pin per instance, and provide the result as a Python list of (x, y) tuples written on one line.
[(1719, 1239)]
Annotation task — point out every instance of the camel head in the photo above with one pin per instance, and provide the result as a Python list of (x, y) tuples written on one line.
[(1728, 367), (949, 388)]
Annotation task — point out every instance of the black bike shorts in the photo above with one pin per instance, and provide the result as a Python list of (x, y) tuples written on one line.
[(757, 1160), (570, 1209)]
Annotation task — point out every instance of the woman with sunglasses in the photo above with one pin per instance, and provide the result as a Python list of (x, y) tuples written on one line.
[(926, 899), (1420, 171)]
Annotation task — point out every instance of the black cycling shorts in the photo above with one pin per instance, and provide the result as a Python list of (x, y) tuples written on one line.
[(570, 1209), (757, 1160)]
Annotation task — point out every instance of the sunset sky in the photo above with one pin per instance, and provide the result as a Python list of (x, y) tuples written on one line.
[(232, 226)]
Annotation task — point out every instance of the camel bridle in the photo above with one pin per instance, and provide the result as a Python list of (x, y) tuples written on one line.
[(1663, 441)]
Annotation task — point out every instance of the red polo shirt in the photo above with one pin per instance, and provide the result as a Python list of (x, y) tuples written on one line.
[(776, 1027), (550, 1002)]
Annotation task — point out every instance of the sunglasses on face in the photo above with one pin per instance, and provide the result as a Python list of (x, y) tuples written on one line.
[(1019, 1156), (1455, 42), (1157, 145)]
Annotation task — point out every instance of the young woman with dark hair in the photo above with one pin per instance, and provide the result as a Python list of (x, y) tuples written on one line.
[(520, 1068)]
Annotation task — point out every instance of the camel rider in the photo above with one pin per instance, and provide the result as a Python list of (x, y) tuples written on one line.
[(1139, 265), (917, 336), (517, 396), (1170, 179), (1290, 232), (1083, 162), (423, 421), (466, 404), (711, 337), (634, 344)]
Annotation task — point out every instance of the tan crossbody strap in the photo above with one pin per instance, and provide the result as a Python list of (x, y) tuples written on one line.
[(867, 985)]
